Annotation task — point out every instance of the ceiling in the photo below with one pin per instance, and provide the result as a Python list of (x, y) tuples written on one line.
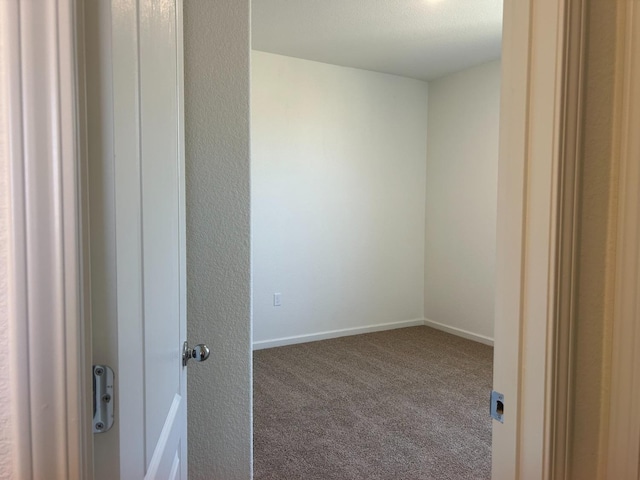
[(421, 39)]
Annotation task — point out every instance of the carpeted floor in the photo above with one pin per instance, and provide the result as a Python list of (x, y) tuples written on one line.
[(405, 404)]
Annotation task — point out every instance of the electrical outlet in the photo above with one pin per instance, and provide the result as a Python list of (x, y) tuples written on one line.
[(277, 299)]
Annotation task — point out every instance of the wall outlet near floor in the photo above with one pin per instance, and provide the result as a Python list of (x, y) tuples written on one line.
[(277, 299)]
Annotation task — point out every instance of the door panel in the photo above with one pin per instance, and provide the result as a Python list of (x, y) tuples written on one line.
[(160, 214), (137, 209)]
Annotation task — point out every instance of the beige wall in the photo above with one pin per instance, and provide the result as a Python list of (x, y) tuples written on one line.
[(596, 250), (216, 55)]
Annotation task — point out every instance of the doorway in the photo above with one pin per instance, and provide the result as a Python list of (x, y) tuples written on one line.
[(374, 185)]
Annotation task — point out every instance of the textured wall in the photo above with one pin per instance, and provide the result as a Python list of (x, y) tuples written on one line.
[(216, 52), (596, 250), (338, 187), (461, 200)]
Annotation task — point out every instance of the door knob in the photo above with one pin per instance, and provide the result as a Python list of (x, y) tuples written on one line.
[(199, 353)]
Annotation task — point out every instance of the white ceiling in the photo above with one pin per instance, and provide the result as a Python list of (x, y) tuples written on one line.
[(421, 39)]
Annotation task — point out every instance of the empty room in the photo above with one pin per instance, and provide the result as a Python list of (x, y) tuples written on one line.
[(374, 137)]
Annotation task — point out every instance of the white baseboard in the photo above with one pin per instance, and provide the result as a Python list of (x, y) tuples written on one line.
[(459, 332), (280, 342), (314, 337)]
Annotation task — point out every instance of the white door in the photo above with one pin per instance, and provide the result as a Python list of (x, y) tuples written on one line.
[(136, 155)]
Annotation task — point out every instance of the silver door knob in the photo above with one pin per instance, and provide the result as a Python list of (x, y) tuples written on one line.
[(199, 353)]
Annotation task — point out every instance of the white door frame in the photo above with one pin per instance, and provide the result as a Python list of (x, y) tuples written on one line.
[(539, 128)]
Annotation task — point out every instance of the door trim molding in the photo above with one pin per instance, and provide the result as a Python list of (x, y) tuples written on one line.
[(49, 359), (540, 139), (561, 355), (623, 452)]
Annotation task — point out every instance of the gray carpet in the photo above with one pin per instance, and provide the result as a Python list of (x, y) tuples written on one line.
[(405, 404)]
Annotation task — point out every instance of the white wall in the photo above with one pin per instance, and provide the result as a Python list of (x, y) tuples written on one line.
[(461, 199), (216, 56), (338, 188)]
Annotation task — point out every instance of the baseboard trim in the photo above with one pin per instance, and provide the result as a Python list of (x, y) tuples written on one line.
[(314, 337), (281, 342), (459, 332)]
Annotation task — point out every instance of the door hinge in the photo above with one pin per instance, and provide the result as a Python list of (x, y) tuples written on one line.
[(102, 398), (497, 406)]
